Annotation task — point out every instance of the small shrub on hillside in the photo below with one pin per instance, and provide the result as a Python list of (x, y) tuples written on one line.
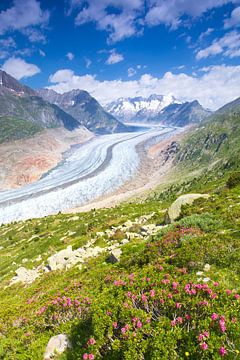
[(234, 179)]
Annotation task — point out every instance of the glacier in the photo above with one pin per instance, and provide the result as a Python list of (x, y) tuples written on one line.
[(91, 170)]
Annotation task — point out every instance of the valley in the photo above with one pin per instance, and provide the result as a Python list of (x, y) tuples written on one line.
[(95, 168)]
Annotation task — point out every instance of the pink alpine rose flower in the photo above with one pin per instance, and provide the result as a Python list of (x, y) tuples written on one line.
[(222, 351), (204, 346)]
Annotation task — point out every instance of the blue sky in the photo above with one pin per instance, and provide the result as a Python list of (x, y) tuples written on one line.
[(116, 48)]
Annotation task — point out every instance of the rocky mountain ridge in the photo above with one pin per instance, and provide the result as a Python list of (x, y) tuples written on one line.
[(165, 109), (139, 108), (85, 109)]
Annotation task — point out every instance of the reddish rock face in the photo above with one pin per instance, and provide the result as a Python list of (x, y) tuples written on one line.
[(25, 161)]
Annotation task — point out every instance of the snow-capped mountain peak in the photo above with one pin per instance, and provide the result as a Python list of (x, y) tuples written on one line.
[(140, 108)]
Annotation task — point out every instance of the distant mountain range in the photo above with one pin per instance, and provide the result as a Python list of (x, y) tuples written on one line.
[(85, 109), (163, 109), (139, 108)]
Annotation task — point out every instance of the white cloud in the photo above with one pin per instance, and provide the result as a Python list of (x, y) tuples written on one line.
[(131, 72), (114, 58), (70, 56), (8, 42), (204, 34), (170, 12), (119, 17), (228, 45), (34, 35), (88, 62), (19, 68), (234, 20), (22, 14), (213, 88), (126, 18), (63, 75)]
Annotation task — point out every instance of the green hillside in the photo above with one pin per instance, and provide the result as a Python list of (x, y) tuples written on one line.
[(216, 139), (15, 129)]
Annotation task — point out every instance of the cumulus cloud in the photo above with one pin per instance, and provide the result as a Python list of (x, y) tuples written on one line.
[(22, 14), (170, 12), (214, 87), (63, 75), (119, 18), (125, 18), (114, 57), (70, 56), (234, 20), (228, 45), (19, 68)]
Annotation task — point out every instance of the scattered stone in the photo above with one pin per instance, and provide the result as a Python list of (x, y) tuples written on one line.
[(67, 258), (206, 279), (124, 241), (74, 218), (39, 258), (56, 345), (115, 256), (199, 273), (109, 233), (207, 267), (100, 234), (131, 236), (128, 224), (174, 210), (25, 276), (24, 260)]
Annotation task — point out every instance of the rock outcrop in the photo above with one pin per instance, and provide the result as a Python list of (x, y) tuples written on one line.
[(114, 256), (174, 210), (25, 276), (56, 345)]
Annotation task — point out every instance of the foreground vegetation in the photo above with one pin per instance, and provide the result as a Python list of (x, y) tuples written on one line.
[(161, 301)]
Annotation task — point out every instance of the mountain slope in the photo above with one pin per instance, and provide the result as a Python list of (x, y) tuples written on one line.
[(216, 139), (20, 102), (15, 129), (85, 109), (139, 108), (182, 114)]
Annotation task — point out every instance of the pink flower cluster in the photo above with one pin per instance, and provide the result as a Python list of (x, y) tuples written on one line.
[(88, 356), (222, 325)]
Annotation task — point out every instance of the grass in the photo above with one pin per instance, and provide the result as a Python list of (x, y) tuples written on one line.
[(15, 129), (217, 243)]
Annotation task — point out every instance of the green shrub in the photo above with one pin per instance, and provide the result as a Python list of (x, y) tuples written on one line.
[(234, 179)]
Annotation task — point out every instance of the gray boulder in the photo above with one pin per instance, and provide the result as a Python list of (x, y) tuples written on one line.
[(114, 256), (56, 345), (25, 276), (174, 210)]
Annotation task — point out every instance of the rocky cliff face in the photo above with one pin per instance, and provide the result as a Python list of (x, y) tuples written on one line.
[(85, 109)]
